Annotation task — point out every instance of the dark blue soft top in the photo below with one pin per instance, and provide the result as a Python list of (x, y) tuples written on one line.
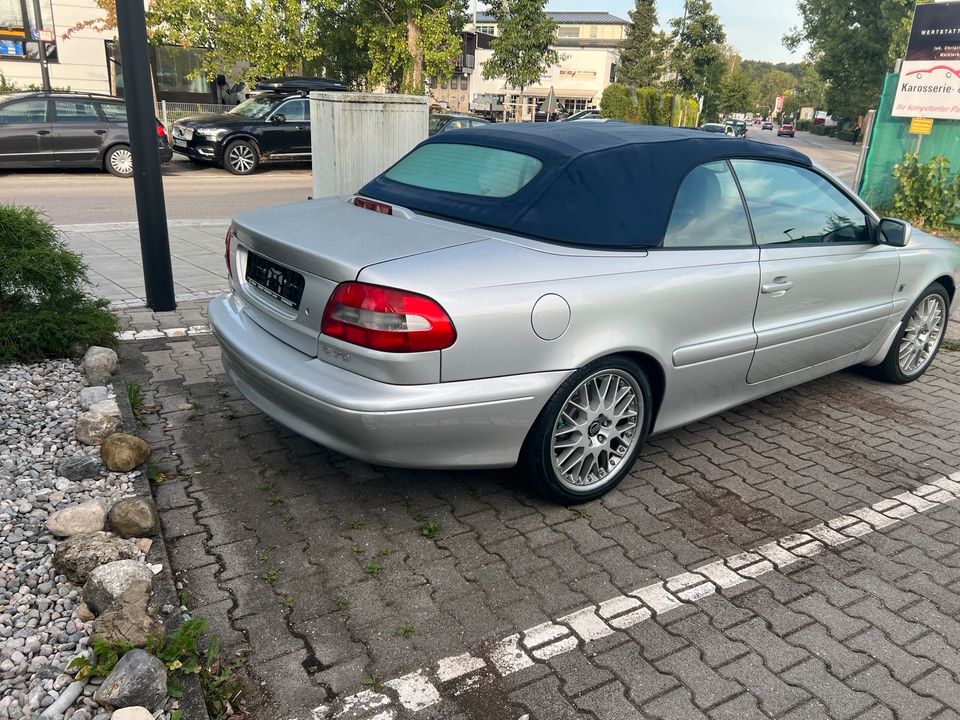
[(602, 184)]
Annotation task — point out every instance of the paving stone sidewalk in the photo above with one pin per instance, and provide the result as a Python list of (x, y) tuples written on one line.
[(348, 583)]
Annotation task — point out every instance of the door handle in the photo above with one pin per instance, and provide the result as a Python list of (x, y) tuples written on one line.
[(776, 288), (303, 127), (100, 132), (43, 132)]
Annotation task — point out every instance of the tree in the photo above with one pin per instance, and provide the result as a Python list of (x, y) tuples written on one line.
[(851, 43), (642, 53), (616, 102), (522, 52), (735, 93), (698, 46), (409, 40), (105, 23), (246, 39)]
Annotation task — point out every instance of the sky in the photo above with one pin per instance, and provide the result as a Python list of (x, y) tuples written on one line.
[(755, 29)]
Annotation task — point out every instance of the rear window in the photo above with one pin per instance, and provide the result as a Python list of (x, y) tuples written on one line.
[(114, 112), (466, 169)]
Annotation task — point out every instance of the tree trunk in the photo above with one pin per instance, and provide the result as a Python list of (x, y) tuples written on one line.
[(413, 47), (519, 116)]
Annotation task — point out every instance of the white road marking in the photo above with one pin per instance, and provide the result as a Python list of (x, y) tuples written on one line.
[(550, 639), (191, 331)]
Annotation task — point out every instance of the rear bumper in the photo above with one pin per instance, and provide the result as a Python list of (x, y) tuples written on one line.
[(166, 154), (467, 424)]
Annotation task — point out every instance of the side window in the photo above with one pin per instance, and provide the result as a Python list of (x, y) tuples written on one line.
[(25, 111), (295, 110), (114, 112), (708, 210), (75, 111), (795, 206)]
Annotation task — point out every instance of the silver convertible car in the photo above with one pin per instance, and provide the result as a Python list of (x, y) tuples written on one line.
[(554, 294)]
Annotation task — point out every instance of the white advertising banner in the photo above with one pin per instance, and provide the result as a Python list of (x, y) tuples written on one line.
[(929, 84)]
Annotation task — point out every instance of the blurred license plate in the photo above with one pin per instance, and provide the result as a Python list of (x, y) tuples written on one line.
[(280, 283), (179, 143)]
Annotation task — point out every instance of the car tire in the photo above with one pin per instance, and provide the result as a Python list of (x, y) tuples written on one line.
[(918, 340), (241, 157), (588, 400), (118, 161)]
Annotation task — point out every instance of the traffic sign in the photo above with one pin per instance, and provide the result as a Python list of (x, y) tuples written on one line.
[(46, 36), (921, 126)]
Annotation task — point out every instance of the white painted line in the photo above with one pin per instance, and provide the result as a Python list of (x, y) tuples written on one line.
[(414, 691), (191, 331), (417, 691)]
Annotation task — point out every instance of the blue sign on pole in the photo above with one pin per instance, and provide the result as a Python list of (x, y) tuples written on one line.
[(11, 47), (34, 35)]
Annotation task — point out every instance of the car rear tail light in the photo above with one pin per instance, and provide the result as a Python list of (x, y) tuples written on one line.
[(226, 252), (161, 131), (374, 205), (387, 319)]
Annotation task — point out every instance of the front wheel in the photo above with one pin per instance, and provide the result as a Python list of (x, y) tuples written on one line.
[(590, 431), (119, 161), (919, 338), (241, 157)]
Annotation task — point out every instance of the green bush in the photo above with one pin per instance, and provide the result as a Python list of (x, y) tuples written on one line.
[(7, 86), (649, 107), (926, 194), (44, 309), (616, 102)]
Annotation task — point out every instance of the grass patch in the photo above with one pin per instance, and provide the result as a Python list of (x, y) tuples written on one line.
[(272, 575), (430, 529), (355, 524), (372, 568), (950, 346), (135, 396), (406, 630)]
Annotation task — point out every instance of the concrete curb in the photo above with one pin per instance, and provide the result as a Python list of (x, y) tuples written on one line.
[(165, 592)]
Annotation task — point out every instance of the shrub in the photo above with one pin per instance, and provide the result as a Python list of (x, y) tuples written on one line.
[(926, 194), (44, 309), (804, 125), (7, 86), (616, 102), (649, 107)]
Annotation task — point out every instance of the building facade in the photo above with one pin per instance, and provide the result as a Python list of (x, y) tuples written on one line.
[(88, 60), (588, 44)]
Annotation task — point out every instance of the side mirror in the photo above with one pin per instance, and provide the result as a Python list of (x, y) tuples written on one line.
[(895, 232), (278, 119)]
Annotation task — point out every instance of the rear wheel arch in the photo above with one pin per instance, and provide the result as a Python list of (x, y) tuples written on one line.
[(655, 376)]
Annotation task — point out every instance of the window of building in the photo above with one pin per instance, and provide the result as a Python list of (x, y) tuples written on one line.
[(16, 25), (488, 29), (463, 82), (575, 104), (178, 70), (593, 31), (568, 31)]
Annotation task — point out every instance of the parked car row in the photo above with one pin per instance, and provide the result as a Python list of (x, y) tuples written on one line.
[(69, 130)]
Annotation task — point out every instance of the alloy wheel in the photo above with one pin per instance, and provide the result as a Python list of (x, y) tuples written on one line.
[(242, 158), (922, 336), (121, 160), (596, 429)]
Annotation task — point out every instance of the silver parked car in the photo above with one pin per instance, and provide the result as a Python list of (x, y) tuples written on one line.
[(554, 294)]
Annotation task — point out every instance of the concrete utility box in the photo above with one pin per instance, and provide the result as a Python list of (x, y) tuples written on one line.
[(356, 136)]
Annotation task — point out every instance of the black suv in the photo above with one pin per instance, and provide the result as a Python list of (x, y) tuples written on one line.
[(274, 124), (68, 130)]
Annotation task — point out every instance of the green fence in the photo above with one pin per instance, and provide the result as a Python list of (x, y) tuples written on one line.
[(891, 139)]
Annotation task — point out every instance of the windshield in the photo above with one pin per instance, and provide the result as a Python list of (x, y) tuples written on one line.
[(437, 122), (255, 107)]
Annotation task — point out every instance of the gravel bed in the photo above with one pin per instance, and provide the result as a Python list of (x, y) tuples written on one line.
[(39, 633)]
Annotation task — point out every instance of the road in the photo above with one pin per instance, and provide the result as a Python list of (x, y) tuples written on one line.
[(836, 155), (199, 193), (192, 192)]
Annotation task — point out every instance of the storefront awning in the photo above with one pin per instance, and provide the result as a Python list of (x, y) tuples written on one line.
[(561, 93)]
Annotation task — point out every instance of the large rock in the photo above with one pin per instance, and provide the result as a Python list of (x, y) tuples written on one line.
[(132, 713), (86, 517), (131, 619), (90, 395), (77, 556), (93, 428), (106, 407), (99, 364), (79, 467), (107, 583), (138, 679), (134, 517), (122, 452)]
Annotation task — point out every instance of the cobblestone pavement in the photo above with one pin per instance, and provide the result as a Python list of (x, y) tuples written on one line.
[(765, 562)]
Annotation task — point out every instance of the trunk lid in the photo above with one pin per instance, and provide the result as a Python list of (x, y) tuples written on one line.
[(323, 242)]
